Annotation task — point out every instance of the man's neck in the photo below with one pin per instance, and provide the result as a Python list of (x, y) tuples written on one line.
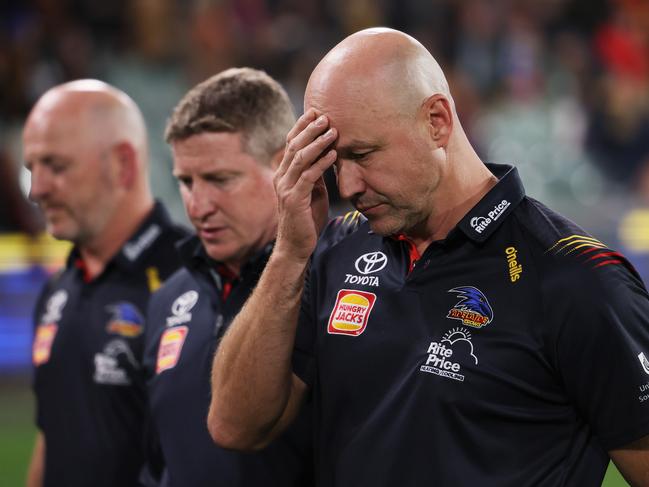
[(100, 250), (460, 196)]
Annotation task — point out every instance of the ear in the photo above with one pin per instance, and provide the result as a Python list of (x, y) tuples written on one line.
[(439, 118), (127, 163)]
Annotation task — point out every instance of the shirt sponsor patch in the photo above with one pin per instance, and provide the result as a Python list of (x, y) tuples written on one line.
[(171, 344), (351, 312), (132, 250), (181, 308), (472, 309), (43, 343), (447, 357), (113, 363), (480, 223), (371, 262), (54, 306), (644, 362)]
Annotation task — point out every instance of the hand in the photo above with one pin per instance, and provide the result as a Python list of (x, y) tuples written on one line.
[(301, 191)]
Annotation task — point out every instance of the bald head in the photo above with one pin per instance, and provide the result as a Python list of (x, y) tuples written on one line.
[(379, 61), (85, 144), (102, 114)]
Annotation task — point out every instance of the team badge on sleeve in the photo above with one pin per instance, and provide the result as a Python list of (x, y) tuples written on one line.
[(472, 309), (351, 312), (171, 344), (43, 343)]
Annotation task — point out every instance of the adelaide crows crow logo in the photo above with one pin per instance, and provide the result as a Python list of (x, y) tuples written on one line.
[(125, 320), (472, 309)]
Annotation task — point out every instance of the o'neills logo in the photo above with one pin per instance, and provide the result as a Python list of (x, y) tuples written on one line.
[(480, 223), (515, 269), (351, 312)]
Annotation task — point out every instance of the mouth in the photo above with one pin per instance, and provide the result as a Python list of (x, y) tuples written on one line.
[(211, 233), (50, 209), (369, 210)]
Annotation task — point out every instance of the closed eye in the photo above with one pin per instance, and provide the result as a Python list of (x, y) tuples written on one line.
[(218, 180), (359, 156), (185, 182)]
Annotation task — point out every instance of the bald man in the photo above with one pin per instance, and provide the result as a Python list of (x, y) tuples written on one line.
[(85, 146), (464, 335)]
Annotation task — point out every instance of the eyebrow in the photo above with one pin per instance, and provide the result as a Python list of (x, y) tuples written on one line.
[(355, 146), (207, 174), (46, 160)]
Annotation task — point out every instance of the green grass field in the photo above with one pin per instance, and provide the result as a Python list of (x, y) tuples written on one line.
[(17, 434)]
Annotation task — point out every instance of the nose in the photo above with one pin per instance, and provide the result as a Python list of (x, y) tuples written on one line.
[(40, 183), (350, 179), (202, 201)]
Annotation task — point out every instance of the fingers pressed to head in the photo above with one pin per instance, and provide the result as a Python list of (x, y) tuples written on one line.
[(301, 123), (311, 176), (308, 154), (306, 130)]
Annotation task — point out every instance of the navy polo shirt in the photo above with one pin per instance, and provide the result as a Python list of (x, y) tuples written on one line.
[(88, 344), (515, 353), (186, 319)]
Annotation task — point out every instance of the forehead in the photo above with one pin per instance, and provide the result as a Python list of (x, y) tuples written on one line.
[(357, 114), (52, 130), (212, 151)]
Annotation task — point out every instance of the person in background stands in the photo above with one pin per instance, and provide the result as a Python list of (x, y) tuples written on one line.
[(85, 146), (227, 136)]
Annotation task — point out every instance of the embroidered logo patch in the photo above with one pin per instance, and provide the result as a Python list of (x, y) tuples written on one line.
[(515, 269), (171, 344), (115, 364), (43, 343), (125, 320), (54, 306), (644, 362), (448, 356), (351, 312), (472, 309), (181, 308)]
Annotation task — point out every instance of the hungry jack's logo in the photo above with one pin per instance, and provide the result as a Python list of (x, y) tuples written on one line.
[(43, 340), (171, 344), (351, 312), (472, 309)]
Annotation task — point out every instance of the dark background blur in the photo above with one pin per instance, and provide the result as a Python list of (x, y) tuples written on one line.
[(560, 88)]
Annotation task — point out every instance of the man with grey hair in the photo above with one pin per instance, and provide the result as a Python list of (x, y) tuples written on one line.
[(465, 335), (227, 136), (85, 146)]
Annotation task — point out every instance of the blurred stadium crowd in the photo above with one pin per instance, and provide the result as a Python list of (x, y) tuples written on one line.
[(560, 88)]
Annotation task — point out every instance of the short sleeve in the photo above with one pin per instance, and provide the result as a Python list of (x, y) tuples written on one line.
[(303, 352), (602, 351)]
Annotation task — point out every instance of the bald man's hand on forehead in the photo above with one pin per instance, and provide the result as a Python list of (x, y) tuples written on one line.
[(301, 191)]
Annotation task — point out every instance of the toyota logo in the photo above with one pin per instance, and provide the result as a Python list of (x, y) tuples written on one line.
[(184, 303), (371, 262)]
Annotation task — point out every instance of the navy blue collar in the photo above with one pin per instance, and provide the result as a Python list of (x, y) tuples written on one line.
[(485, 217)]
